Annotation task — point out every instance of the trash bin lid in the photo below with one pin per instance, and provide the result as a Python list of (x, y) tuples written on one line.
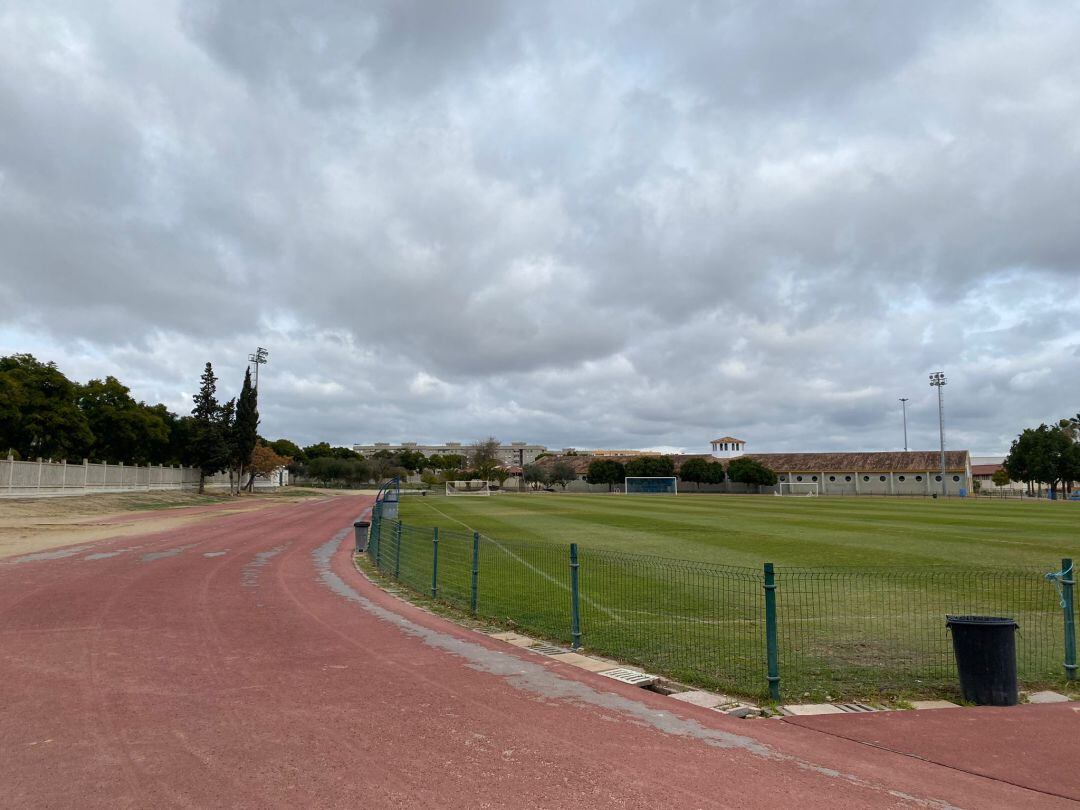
[(361, 524), (985, 621)]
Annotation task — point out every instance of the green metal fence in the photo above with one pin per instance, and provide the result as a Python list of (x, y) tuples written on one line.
[(785, 633)]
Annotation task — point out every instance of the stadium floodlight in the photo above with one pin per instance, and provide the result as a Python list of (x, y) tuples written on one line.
[(903, 404), (474, 487), (258, 357), (805, 488), (650, 485), (938, 381)]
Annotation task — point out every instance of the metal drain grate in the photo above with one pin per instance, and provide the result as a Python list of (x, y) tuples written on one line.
[(854, 708), (547, 649), (630, 676)]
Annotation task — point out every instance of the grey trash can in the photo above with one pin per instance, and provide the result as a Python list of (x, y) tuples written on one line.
[(360, 529)]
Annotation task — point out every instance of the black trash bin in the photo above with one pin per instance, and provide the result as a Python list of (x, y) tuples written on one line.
[(985, 648), (360, 529)]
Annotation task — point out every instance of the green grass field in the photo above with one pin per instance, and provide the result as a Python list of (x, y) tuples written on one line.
[(676, 584), (793, 531)]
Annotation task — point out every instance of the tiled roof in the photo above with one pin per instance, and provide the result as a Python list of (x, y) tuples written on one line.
[(728, 439), (984, 469)]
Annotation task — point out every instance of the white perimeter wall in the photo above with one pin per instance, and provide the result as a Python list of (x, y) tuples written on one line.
[(30, 479)]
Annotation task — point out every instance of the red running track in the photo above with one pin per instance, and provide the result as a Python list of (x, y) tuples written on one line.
[(243, 662)]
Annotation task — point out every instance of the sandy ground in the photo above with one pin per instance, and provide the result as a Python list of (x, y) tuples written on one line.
[(29, 525)]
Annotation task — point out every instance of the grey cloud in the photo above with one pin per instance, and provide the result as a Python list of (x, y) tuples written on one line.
[(575, 225)]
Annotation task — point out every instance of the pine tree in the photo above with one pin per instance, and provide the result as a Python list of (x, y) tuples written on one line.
[(246, 428), (210, 448)]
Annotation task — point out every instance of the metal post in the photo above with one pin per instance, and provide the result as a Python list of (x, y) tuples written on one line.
[(938, 381), (434, 563), (378, 543), (903, 404), (1068, 579), (475, 570), (772, 652), (397, 551), (575, 607)]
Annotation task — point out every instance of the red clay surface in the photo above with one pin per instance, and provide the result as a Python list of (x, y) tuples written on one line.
[(1033, 746), (141, 672)]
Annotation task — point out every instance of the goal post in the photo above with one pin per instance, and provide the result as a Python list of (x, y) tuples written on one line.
[(806, 488), (474, 487), (650, 485)]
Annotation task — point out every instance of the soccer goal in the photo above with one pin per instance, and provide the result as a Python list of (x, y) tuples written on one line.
[(809, 488), (474, 487), (650, 485)]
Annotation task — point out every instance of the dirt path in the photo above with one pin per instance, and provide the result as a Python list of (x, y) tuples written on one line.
[(29, 525), (243, 662)]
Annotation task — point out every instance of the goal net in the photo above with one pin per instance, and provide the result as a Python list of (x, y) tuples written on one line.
[(650, 485), (798, 488), (474, 487)]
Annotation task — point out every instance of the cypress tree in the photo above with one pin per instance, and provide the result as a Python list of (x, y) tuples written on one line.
[(246, 427), (210, 448)]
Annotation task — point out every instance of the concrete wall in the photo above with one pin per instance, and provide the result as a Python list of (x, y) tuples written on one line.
[(48, 478), (883, 483)]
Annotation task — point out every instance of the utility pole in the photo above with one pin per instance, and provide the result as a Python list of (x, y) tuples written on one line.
[(903, 404), (258, 357), (938, 381)]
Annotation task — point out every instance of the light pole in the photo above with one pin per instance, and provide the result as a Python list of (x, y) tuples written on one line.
[(903, 404), (258, 358), (938, 381)]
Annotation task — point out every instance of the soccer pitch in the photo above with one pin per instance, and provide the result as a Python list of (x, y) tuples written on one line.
[(676, 584), (792, 531)]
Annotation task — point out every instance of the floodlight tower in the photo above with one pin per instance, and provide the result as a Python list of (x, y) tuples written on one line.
[(903, 404), (258, 357), (938, 381)]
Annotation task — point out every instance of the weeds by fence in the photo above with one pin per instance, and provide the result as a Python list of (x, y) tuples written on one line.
[(832, 633)]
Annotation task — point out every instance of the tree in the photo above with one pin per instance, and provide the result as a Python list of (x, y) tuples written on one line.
[(500, 474), (484, 457), (650, 467), (412, 460), (39, 414), (701, 471), (1046, 455), (1000, 478), (747, 471), (210, 448), (605, 471), (562, 473), (264, 460), (245, 429), (284, 447), (124, 430), (535, 475)]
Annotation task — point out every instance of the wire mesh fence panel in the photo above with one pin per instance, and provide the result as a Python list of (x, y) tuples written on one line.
[(842, 633), (693, 621), (455, 568), (526, 585), (858, 632)]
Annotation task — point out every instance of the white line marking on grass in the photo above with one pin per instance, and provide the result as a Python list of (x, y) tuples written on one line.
[(611, 614)]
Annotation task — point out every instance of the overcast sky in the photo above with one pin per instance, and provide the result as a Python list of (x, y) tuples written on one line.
[(593, 225)]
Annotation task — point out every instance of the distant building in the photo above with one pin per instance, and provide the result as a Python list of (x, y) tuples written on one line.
[(516, 453), (727, 447)]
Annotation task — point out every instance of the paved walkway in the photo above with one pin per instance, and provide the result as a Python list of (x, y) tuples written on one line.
[(243, 662)]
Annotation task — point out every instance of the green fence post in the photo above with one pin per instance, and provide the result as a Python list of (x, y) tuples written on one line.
[(435, 563), (1068, 579), (575, 608), (475, 569), (378, 542), (397, 551), (771, 648)]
